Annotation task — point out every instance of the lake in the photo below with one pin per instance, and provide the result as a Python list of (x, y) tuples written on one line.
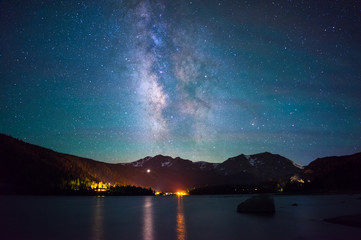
[(187, 217)]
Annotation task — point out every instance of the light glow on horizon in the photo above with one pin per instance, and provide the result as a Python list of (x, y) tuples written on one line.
[(181, 193)]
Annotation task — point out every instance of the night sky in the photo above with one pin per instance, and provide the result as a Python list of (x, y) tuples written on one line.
[(204, 80)]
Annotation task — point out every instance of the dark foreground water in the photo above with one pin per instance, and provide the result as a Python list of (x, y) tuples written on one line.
[(188, 217)]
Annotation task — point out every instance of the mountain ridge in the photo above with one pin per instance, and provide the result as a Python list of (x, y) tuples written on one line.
[(25, 167)]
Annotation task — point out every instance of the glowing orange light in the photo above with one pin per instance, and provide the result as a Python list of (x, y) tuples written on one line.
[(181, 193)]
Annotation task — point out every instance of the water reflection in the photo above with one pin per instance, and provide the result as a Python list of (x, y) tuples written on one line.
[(98, 229), (181, 225), (148, 232)]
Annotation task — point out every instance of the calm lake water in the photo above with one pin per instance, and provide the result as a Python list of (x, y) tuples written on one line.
[(188, 217)]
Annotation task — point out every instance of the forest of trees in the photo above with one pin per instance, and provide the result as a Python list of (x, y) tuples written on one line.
[(87, 187)]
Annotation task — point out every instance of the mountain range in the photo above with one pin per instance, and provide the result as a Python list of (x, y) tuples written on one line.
[(28, 168)]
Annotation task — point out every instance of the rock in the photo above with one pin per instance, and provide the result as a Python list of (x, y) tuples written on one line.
[(260, 204), (294, 204)]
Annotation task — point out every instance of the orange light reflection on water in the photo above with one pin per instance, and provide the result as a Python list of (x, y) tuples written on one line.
[(148, 228), (181, 225), (97, 229)]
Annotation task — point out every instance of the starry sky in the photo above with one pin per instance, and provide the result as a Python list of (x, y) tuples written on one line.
[(204, 80)]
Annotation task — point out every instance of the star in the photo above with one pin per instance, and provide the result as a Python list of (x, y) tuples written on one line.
[(118, 82)]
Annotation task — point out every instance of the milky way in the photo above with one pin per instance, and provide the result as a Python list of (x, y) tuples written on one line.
[(120, 80), (171, 78)]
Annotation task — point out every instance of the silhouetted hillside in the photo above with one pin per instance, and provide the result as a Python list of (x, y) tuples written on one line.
[(29, 168), (334, 173)]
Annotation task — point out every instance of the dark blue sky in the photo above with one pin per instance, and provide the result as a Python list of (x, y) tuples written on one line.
[(205, 80)]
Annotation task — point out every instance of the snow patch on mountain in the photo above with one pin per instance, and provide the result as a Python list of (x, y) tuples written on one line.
[(203, 165), (297, 165), (138, 163), (141, 162), (252, 161), (166, 164), (215, 165)]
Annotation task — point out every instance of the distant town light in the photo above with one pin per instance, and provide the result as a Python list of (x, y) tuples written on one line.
[(181, 193), (148, 170)]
